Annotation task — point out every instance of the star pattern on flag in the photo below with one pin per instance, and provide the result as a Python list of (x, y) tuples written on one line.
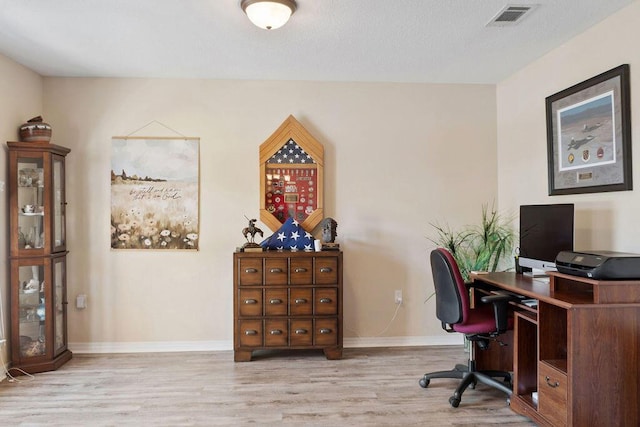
[(291, 236), (291, 153)]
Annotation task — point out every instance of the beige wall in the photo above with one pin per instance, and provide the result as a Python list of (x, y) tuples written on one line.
[(604, 220), (20, 100), (398, 157)]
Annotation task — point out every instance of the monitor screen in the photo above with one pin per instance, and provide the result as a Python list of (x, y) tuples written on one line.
[(545, 230)]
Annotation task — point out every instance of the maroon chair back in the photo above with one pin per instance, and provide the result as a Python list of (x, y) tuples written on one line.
[(452, 295)]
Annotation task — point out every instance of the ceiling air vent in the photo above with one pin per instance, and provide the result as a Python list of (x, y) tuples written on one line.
[(511, 15)]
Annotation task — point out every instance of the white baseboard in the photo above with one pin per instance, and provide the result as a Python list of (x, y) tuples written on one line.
[(3, 365), (449, 339), (178, 346), (148, 347)]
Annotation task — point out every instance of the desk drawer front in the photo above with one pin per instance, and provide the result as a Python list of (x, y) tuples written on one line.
[(552, 394)]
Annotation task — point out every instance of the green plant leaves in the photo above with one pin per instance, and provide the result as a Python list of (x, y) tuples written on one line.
[(478, 247)]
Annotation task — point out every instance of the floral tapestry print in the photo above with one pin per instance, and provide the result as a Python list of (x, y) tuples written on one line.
[(154, 193)]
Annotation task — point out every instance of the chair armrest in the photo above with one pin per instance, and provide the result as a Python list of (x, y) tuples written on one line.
[(500, 303)]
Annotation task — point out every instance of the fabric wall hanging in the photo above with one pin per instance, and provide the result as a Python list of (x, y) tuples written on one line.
[(154, 193)]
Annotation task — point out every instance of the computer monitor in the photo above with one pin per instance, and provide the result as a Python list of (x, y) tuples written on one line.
[(545, 230)]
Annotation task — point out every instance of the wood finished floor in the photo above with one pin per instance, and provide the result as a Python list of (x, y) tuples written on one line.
[(368, 387)]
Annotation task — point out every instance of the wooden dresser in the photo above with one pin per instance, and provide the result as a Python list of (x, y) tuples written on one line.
[(287, 300)]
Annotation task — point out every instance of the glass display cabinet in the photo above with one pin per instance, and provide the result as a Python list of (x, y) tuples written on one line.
[(38, 253)]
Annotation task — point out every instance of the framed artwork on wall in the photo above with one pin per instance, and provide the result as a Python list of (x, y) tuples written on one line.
[(154, 193), (589, 135)]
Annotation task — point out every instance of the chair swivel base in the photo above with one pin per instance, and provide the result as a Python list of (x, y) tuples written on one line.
[(470, 377)]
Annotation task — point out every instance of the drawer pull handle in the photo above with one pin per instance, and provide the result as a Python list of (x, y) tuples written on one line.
[(301, 300), (251, 332), (325, 331), (301, 331), (275, 270), (301, 270), (251, 270), (275, 301), (553, 385), (276, 332), (250, 301), (325, 300), (325, 270)]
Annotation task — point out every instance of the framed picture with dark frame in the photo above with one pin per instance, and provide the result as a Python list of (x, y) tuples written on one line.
[(589, 135)]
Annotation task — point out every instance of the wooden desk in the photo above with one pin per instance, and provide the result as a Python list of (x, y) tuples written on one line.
[(579, 350)]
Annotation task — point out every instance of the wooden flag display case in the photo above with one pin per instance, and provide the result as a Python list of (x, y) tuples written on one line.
[(291, 177)]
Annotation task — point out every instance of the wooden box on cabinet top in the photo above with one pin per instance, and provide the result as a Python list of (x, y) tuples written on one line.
[(287, 300)]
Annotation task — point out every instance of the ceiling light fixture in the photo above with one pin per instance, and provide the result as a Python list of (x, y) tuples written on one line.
[(268, 14)]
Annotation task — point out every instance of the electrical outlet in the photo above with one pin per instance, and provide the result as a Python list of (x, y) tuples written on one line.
[(81, 301), (398, 296)]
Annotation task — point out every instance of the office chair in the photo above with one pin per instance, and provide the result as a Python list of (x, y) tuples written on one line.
[(480, 325)]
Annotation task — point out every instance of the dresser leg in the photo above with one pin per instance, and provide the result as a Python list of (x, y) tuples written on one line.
[(333, 353), (242, 356)]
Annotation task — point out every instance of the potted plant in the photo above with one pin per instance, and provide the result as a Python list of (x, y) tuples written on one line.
[(479, 247)]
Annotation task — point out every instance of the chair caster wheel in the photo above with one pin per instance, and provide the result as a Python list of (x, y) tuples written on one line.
[(424, 382), (454, 401)]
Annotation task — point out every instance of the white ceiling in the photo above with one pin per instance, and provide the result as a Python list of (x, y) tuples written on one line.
[(437, 41)]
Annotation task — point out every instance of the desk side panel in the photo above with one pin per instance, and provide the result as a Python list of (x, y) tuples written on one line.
[(603, 365)]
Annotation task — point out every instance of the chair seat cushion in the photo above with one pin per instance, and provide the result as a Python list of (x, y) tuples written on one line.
[(480, 320)]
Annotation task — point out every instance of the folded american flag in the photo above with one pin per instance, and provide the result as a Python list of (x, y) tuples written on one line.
[(291, 236)]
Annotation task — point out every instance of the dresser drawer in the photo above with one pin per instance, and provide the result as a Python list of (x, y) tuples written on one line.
[(326, 270), (276, 271), (552, 394), (301, 332), (326, 332), (250, 302), (326, 301), (301, 271), (276, 333), (301, 301), (275, 302), (250, 272), (250, 333)]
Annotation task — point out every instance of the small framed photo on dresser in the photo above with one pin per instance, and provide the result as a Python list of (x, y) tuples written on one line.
[(589, 135)]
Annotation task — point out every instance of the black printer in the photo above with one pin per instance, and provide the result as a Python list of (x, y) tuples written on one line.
[(601, 265)]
